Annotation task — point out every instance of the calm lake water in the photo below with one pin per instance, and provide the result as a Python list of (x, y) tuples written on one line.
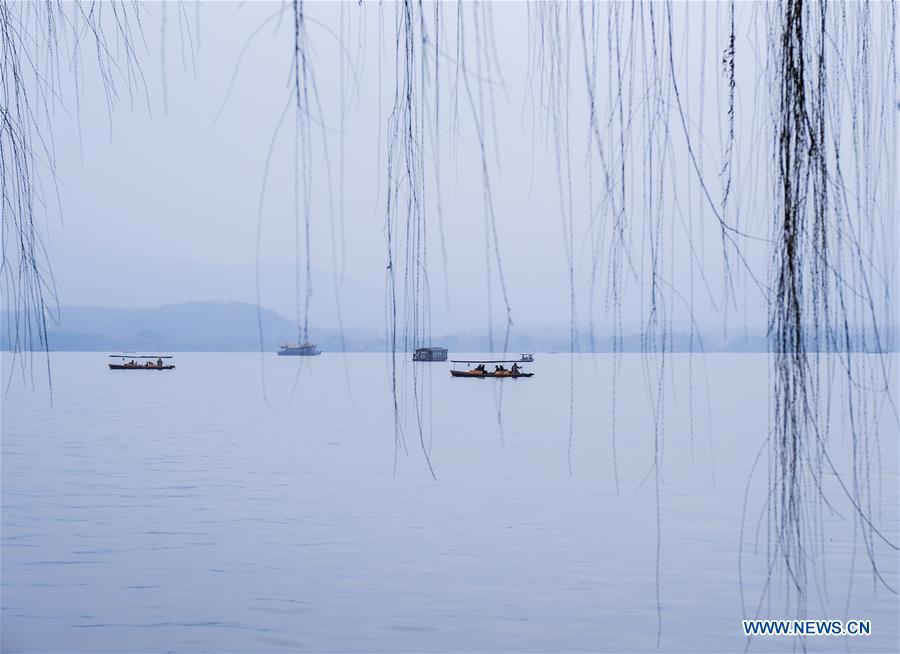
[(203, 509)]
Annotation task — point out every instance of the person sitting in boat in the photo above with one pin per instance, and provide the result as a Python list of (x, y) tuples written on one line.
[(499, 368), (480, 368)]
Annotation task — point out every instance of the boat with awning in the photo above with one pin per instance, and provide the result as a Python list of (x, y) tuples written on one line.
[(140, 362)]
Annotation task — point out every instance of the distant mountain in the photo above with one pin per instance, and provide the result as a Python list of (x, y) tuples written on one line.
[(235, 327), (188, 327), (88, 277)]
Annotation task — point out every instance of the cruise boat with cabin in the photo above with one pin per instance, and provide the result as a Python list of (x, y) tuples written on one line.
[(430, 354), (304, 350)]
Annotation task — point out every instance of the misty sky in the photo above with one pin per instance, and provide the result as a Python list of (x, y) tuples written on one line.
[(160, 202)]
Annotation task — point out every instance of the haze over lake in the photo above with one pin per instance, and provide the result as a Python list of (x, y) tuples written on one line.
[(150, 511), (694, 204)]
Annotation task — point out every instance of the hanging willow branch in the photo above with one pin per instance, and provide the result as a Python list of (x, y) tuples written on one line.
[(830, 165), (812, 307), (405, 225), (828, 292), (39, 43)]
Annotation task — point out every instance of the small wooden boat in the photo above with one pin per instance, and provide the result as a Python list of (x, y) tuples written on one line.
[(144, 362), (482, 374), (479, 371)]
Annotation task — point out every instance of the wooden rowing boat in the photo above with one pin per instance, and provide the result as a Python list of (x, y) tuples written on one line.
[(480, 374), (480, 371), (140, 362), (125, 366)]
